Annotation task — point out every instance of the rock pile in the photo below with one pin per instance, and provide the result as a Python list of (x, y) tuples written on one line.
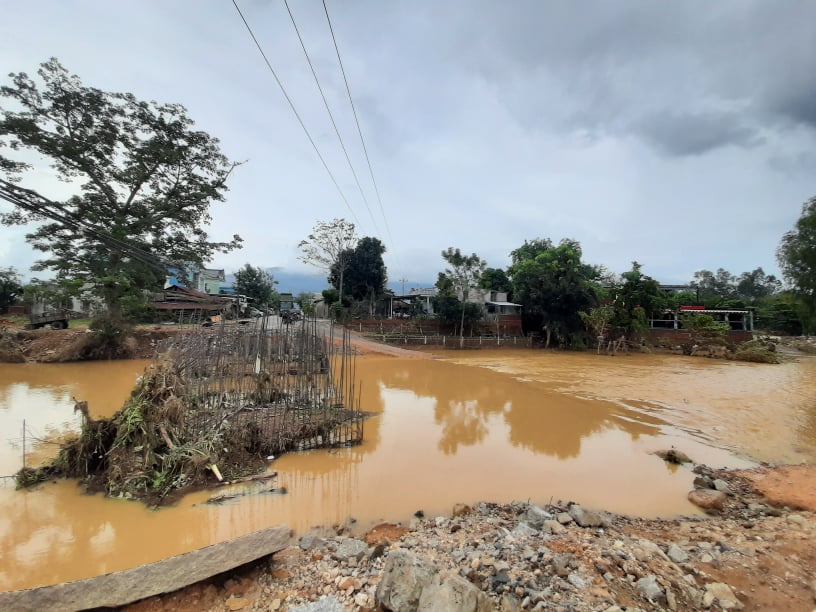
[(523, 556)]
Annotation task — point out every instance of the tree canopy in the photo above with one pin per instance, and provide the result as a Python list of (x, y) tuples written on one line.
[(634, 300), (554, 285), (364, 273), (143, 181), (10, 287), (495, 279), (328, 246), (256, 283), (797, 258), (462, 274)]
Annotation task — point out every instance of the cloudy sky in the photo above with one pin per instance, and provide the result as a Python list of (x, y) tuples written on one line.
[(678, 134)]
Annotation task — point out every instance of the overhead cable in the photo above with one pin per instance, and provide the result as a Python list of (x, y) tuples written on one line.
[(331, 116), (357, 121), (294, 110)]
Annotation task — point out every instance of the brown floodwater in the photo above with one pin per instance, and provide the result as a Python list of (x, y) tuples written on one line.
[(475, 425)]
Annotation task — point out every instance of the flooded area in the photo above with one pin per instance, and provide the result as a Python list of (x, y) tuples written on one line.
[(474, 425)]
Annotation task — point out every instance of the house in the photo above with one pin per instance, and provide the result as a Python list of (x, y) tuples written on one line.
[(185, 300), (209, 281)]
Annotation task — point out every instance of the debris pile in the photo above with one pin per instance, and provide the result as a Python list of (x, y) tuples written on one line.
[(214, 405)]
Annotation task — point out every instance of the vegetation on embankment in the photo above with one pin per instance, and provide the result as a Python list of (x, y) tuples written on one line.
[(97, 341)]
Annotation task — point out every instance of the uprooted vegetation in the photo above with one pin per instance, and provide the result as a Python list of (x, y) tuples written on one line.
[(213, 406), (757, 351)]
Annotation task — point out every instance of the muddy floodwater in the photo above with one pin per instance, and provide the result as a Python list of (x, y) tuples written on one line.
[(473, 425)]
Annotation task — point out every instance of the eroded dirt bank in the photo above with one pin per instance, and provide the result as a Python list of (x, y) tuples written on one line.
[(754, 554)]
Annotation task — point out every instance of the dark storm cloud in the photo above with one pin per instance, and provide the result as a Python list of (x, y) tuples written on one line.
[(686, 78), (695, 133)]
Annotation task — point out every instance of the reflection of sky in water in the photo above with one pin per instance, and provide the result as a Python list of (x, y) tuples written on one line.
[(443, 433), (47, 413)]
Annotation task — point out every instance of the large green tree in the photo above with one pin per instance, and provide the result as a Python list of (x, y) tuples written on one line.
[(797, 258), (495, 279), (361, 271), (258, 284), (143, 180), (554, 285), (635, 299), (10, 287)]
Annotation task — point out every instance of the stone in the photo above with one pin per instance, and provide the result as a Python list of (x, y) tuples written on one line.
[(587, 518), (361, 599), (237, 603), (275, 605), (677, 554), (576, 581), (451, 593), (524, 530), (796, 519), (722, 594), (564, 518), (350, 548), (707, 499), (536, 516), (310, 541), (554, 526), (671, 600), (349, 582), (722, 486), (403, 579), (508, 603), (326, 603), (461, 509), (650, 589), (120, 588), (703, 482), (673, 456)]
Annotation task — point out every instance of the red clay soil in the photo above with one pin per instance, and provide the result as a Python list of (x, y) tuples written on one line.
[(793, 486)]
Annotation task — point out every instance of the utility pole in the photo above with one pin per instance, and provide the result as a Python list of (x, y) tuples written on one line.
[(403, 280)]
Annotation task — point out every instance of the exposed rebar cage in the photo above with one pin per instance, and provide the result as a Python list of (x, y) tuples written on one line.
[(271, 388)]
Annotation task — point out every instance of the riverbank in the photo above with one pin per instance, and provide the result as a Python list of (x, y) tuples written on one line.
[(757, 553), (18, 345)]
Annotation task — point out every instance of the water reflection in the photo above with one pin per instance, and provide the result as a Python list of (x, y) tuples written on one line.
[(538, 418)]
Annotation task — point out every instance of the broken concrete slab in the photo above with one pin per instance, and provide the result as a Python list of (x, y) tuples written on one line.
[(124, 587)]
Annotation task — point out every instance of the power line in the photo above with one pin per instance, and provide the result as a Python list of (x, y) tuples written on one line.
[(331, 116), (33, 202), (357, 121), (294, 110)]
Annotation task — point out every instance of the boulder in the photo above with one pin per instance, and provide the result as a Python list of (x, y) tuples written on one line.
[(536, 516), (650, 589), (722, 594), (722, 486), (587, 518), (707, 499), (453, 593), (677, 554), (461, 509), (403, 578), (350, 548)]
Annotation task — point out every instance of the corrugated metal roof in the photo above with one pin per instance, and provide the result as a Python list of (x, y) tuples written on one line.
[(503, 303)]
